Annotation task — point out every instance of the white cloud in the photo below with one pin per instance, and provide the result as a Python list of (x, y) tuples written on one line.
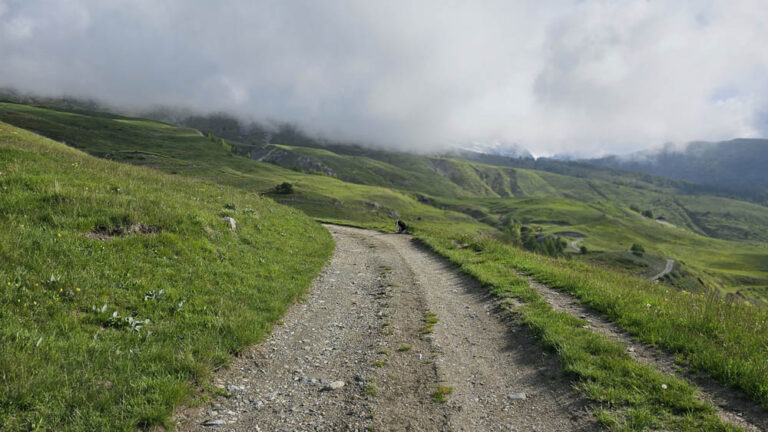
[(586, 77)]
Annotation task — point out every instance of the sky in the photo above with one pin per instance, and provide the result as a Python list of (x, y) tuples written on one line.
[(585, 78)]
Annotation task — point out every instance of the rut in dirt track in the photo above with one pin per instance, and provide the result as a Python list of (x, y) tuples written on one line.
[(363, 324)]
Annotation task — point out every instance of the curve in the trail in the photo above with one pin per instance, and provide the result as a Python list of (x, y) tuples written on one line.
[(575, 243), (668, 269)]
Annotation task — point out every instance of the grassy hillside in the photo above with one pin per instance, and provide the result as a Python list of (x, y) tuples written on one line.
[(608, 231), (721, 338), (149, 221), (713, 216), (435, 190), (429, 175), (185, 152), (123, 287), (152, 143)]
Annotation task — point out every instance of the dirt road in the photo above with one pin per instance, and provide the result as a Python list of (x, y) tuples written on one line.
[(667, 269), (358, 354), (575, 243)]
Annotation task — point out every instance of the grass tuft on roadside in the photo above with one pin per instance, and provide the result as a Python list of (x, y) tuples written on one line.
[(441, 393)]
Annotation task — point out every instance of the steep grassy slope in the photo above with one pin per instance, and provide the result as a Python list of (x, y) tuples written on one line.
[(122, 287), (429, 175), (186, 152)]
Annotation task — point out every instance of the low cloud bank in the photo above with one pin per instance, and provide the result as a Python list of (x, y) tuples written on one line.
[(576, 77)]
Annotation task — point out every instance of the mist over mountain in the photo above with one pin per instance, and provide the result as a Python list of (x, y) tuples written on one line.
[(563, 77), (498, 148), (738, 163)]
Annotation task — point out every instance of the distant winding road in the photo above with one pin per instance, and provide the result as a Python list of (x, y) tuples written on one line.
[(575, 243), (667, 270)]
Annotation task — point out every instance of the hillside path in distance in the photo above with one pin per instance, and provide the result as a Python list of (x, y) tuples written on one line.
[(364, 324), (670, 264)]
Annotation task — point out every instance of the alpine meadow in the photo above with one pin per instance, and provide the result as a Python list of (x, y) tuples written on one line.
[(347, 216)]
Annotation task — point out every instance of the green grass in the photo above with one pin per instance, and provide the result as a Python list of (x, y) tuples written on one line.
[(610, 230), (369, 390), (184, 152), (441, 393), (113, 333), (429, 320), (722, 338)]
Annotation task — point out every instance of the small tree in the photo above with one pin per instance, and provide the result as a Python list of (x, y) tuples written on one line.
[(511, 229), (637, 249), (648, 214), (283, 188)]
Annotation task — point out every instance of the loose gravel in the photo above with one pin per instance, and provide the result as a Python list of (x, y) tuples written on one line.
[(359, 353)]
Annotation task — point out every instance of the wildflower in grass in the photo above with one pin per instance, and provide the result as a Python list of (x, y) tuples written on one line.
[(663, 386)]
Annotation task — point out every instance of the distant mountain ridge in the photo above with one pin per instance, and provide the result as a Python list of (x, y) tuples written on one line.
[(737, 163)]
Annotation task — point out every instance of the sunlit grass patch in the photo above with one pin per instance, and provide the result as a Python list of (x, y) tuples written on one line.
[(121, 287)]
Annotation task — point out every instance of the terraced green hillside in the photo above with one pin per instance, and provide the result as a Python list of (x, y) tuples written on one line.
[(122, 287), (669, 200)]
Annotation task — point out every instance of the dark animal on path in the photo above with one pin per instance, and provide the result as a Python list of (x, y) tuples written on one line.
[(401, 227)]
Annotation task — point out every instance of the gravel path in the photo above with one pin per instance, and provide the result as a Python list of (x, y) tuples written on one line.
[(732, 406), (667, 269), (355, 356)]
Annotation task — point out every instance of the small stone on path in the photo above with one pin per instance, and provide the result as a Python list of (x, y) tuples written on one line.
[(217, 422), (335, 385)]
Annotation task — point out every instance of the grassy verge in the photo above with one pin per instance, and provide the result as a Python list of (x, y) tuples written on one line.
[(630, 396), (726, 339), (122, 287)]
